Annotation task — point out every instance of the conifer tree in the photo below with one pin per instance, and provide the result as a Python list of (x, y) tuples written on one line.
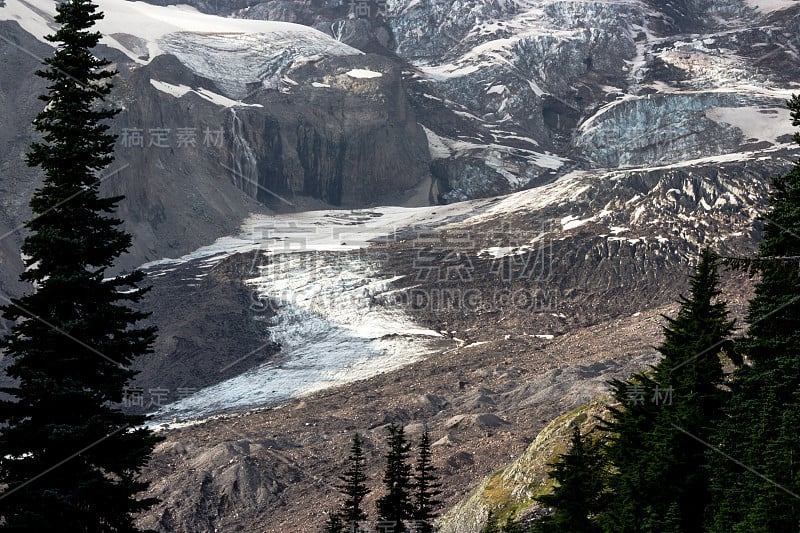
[(354, 485), (334, 523), (690, 375), (630, 423), (580, 490), (755, 462), (395, 506), (657, 446), (70, 458), (426, 486)]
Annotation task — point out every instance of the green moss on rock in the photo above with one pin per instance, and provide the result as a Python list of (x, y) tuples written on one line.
[(509, 494)]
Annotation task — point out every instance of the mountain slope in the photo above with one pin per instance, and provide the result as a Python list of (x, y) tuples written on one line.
[(622, 136)]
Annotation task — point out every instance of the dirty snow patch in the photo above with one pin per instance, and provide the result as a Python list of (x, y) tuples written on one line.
[(768, 6), (755, 123), (436, 145), (570, 222)]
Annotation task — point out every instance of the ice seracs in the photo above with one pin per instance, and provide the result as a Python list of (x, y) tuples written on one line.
[(232, 52)]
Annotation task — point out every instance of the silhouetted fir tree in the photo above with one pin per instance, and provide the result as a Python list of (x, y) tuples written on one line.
[(756, 487), (691, 375), (70, 458), (630, 422), (395, 505), (426, 486), (354, 485), (334, 523), (660, 463), (580, 490)]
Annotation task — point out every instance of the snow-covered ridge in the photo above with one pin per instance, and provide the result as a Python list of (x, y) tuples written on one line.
[(232, 52), (180, 90), (149, 24)]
